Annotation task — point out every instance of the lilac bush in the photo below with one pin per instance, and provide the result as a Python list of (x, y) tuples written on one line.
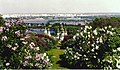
[(93, 48), (16, 52)]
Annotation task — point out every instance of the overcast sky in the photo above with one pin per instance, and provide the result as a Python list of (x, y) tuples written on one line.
[(59, 6)]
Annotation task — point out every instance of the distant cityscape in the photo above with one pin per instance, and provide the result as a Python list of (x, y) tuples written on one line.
[(61, 18)]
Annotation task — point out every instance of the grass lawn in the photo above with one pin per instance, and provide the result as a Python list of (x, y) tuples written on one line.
[(55, 58)]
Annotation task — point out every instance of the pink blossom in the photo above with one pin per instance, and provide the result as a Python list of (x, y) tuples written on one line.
[(45, 62), (4, 38), (17, 32), (20, 20), (38, 56), (7, 24), (28, 36), (1, 29), (25, 63)]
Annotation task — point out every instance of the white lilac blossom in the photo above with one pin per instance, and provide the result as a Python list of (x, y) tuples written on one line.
[(26, 31), (85, 31), (88, 32), (30, 46), (111, 33), (62, 38), (89, 36), (105, 27), (84, 55), (110, 26), (74, 36), (92, 45), (37, 64), (86, 27), (66, 56), (75, 56), (82, 34), (80, 47), (47, 58), (83, 41), (92, 50), (7, 64), (25, 63), (9, 46), (77, 34), (95, 32), (7, 29), (113, 29), (22, 38), (97, 47), (118, 63), (37, 48), (44, 54), (94, 56), (81, 28), (14, 48), (86, 58), (4, 38), (78, 57), (118, 48), (90, 27), (97, 41), (77, 53), (93, 37), (108, 32), (88, 42), (49, 33), (114, 50), (32, 43), (101, 40), (16, 44), (28, 57), (24, 42)]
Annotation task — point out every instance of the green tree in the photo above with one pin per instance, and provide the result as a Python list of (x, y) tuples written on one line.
[(1, 21), (101, 22)]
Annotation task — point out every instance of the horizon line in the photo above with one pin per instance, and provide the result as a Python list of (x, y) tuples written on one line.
[(68, 13)]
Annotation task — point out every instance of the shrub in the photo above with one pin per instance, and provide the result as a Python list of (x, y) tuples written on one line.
[(48, 41), (16, 52), (92, 48)]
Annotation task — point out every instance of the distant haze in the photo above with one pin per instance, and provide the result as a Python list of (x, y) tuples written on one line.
[(59, 6)]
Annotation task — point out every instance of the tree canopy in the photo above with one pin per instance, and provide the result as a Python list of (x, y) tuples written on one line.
[(1, 21), (100, 22)]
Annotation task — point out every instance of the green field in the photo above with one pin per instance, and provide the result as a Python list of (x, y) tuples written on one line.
[(56, 58)]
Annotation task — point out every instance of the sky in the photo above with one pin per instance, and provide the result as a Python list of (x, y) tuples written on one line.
[(59, 6)]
